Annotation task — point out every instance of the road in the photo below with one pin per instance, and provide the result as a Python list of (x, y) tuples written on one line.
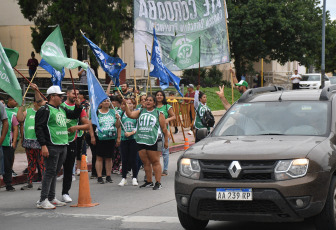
[(124, 208)]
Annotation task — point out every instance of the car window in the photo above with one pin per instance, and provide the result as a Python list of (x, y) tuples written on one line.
[(304, 118), (311, 78)]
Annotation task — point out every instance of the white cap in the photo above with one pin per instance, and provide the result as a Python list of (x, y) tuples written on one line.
[(55, 89)]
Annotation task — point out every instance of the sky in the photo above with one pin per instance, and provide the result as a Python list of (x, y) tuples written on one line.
[(331, 6)]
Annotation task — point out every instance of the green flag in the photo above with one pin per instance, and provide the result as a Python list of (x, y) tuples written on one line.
[(186, 54), (53, 52), (12, 55), (8, 80)]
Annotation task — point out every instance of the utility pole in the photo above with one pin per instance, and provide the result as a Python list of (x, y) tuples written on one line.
[(323, 45)]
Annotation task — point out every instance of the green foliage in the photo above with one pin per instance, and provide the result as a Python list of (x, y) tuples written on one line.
[(213, 100), (106, 22), (282, 30), (209, 77)]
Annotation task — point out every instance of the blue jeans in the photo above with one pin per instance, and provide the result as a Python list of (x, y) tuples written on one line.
[(2, 171), (165, 155)]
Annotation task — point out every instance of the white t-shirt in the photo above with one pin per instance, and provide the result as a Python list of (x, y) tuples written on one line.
[(296, 78)]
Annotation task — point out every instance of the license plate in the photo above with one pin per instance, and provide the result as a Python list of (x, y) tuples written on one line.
[(242, 194)]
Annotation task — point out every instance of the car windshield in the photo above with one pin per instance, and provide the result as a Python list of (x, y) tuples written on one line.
[(303, 118), (311, 78)]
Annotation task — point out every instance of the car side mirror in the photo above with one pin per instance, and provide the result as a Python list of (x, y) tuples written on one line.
[(202, 133)]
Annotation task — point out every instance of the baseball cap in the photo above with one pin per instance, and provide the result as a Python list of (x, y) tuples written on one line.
[(242, 83), (190, 86), (55, 89)]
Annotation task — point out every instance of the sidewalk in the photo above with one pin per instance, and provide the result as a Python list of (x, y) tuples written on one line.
[(20, 162)]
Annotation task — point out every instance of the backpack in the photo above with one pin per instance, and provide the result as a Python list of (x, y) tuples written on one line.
[(208, 120)]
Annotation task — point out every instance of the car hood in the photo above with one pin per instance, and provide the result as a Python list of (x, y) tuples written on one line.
[(253, 147), (309, 82)]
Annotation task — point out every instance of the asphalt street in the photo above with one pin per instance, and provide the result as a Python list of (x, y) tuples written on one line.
[(124, 208)]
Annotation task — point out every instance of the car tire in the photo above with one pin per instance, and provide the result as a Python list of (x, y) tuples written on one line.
[(326, 220), (191, 223)]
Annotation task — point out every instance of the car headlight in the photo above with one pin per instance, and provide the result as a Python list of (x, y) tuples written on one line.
[(290, 169), (190, 168)]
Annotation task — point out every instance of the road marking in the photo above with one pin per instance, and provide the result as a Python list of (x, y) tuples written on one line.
[(125, 219)]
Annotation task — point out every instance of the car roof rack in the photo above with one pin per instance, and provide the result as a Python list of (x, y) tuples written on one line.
[(327, 92), (249, 93)]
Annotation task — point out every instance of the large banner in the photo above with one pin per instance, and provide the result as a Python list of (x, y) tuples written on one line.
[(178, 23)]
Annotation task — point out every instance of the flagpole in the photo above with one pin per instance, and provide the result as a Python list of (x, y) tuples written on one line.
[(119, 116), (199, 62), (148, 67), (135, 88), (29, 83), (73, 84)]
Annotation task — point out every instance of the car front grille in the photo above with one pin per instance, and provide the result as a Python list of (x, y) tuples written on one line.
[(256, 206), (250, 170)]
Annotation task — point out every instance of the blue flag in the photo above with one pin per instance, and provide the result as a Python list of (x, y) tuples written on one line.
[(96, 94), (160, 71), (111, 65), (56, 76)]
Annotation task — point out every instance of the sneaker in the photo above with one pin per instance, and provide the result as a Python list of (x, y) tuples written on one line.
[(66, 198), (14, 174), (135, 182), (10, 188), (157, 186), (93, 176), (123, 182), (58, 203), (100, 180), (176, 131), (164, 173), (109, 179), (25, 171), (77, 172), (27, 187), (60, 177), (73, 178), (190, 132), (147, 185), (45, 204), (39, 187)]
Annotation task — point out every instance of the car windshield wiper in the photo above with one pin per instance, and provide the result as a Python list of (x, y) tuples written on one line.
[(271, 134)]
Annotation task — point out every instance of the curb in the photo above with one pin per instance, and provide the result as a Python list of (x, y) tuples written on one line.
[(22, 179)]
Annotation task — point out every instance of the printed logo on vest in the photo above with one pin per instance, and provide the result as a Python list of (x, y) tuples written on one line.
[(60, 119)]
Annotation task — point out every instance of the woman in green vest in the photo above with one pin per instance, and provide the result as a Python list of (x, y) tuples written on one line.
[(128, 145), (106, 140), (149, 122), (168, 111)]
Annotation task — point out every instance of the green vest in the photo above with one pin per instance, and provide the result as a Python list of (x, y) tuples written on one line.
[(200, 112), (147, 127), (10, 114), (107, 125), (164, 109), (71, 122), (57, 126), (129, 125), (29, 125)]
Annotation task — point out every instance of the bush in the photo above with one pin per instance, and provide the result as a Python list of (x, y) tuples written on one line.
[(209, 77)]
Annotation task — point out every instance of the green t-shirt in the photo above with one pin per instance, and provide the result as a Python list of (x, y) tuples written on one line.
[(129, 125), (148, 126), (29, 125), (164, 109), (199, 114), (107, 125)]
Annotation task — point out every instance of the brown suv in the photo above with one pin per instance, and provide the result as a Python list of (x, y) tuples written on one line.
[(271, 157)]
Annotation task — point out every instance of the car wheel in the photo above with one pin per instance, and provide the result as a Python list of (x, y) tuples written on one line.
[(190, 223), (326, 220)]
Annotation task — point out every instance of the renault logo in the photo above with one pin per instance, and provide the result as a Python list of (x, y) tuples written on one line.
[(234, 169)]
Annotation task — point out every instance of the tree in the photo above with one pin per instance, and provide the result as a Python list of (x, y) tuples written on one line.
[(106, 22), (282, 30)]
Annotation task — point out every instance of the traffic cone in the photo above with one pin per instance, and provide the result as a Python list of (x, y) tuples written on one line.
[(186, 144), (84, 196)]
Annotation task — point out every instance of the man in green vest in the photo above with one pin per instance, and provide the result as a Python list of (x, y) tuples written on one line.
[(73, 125), (10, 141), (52, 134)]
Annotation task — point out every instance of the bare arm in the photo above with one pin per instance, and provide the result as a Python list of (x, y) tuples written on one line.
[(164, 129), (171, 115), (221, 95), (84, 126), (91, 132), (109, 88), (234, 78), (15, 135), (21, 115)]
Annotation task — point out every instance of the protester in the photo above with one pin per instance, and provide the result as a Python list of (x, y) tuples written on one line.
[(172, 101), (4, 129), (142, 101), (106, 141), (168, 111), (32, 64), (149, 121), (116, 158), (125, 91), (128, 145), (10, 142), (52, 134), (296, 80), (30, 143), (73, 125), (200, 107)]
